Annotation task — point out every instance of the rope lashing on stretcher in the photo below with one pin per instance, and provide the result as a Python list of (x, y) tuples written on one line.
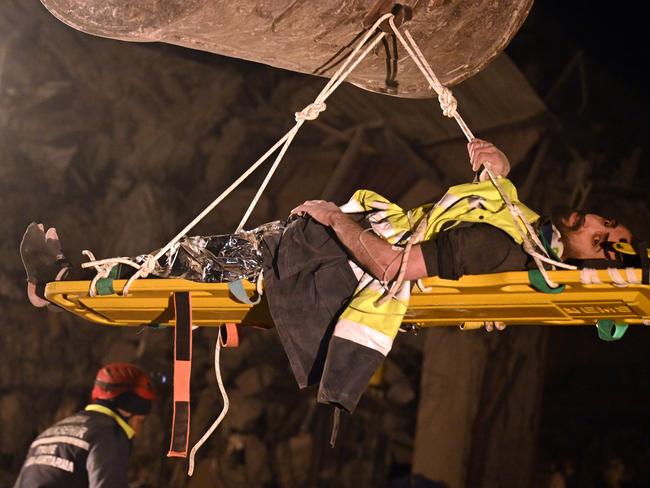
[(310, 112), (589, 276), (104, 268)]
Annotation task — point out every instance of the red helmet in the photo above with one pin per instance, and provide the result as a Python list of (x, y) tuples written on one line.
[(115, 379)]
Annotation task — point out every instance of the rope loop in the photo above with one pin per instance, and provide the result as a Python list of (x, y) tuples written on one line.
[(448, 102), (224, 410), (103, 271), (148, 266), (311, 111), (88, 254)]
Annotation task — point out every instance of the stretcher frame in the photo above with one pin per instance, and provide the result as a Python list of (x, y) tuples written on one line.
[(471, 300)]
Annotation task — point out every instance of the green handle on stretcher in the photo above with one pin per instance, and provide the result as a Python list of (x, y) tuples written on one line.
[(610, 330), (104, 286), (538, 282)]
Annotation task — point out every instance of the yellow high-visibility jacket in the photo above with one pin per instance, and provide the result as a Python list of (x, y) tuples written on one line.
[(366, 322)]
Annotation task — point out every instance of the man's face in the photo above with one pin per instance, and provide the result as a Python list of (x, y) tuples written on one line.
[(584, 235)]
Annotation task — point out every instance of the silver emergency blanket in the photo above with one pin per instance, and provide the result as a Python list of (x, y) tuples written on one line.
[(217, 258)]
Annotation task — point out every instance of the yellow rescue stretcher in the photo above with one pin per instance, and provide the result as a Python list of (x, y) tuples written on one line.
[(472, 300), (607, 301)]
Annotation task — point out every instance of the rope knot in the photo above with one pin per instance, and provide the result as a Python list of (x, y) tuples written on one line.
[(448, 102), (147, 267), (103, 270), (311, 111)]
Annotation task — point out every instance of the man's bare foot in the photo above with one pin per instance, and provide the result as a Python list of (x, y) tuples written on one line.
[(33, 296)]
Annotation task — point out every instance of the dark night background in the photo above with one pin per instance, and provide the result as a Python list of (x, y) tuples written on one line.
[(596, 400), (585, 60)]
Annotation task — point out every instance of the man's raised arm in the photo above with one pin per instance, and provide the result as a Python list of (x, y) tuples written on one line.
[(370, 251), (373, 253)]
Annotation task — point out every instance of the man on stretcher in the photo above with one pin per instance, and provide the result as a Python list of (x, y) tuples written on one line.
[(326, 268)]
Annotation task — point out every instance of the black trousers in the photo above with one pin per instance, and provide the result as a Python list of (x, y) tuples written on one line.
[(308, 282)]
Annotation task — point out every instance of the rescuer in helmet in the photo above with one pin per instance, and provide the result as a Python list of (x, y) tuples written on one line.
[(91, 448)]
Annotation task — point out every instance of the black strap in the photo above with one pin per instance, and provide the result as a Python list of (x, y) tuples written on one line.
[(595, 263), (336, 421), (180, 436)]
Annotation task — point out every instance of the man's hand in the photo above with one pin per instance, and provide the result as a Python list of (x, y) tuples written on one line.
[(483, 153), (490, 326), (370, 251), (320, 210)]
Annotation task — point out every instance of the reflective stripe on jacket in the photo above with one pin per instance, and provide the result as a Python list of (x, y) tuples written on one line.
[(88, 449), (375, 325), (312, 289)]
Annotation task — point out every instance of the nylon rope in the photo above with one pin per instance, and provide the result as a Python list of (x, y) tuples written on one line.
[(310, 112), (631, 276), (224, 410), (103, 267), (617, 278), (448, 105), (589, 276), (449, 108)]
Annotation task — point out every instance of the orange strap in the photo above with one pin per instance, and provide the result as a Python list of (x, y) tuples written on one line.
[(182, 369), (229, 335)]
